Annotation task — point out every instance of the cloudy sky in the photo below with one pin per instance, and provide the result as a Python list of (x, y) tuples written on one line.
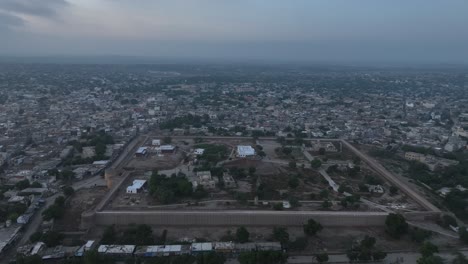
[(304, 30)]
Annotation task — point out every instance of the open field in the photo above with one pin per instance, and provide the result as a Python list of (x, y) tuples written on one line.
[(273, 179)]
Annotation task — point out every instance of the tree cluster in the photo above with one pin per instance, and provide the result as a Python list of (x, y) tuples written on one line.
[(263, 257), (133, 235), (395, 225), (187, 120), (365, 251), (56, 210), (170, 189), (213, 152)]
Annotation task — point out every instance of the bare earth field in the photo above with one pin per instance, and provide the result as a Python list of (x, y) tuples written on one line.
[(81, 201)]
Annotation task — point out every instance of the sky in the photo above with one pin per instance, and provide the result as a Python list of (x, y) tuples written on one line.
[(419, 31)]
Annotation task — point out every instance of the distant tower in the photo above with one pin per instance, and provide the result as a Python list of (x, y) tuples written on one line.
[(109, 176)]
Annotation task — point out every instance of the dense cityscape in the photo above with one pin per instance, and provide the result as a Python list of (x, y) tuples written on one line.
[(233, 132), (231, 138)]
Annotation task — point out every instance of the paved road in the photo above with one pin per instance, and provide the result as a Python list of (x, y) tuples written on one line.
[(36, 219), (128, 152), (393, 179), (392, 258)]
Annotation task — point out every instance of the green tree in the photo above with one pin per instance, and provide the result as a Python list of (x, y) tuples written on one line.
[(321, 257), (419, 235), (52, 238), (21, 185), (93, 257), (293, 182), (263, 257), (67, 175), (430, 260), (321, 151), (463, 234), (167, 140), (299, 244), (352, 255), (281, 234), (315, 163), (68, 191), (252, 171), (34, 259), (324, 194), (459, 259), (137, 235), (393, 190), (395, 225), (326, 204), (35, 237), (428, 249), (36, 185), (294, 202), (56, 210), (242, 235), (210, 258), (365, 251), (312, 227), (379, 255), (109, 236), (292, 165), (368, 242), (447, 221), (286, 151)]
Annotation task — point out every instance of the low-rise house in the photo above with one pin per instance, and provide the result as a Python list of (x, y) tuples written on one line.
[(205, 180), (431, 161), (141, 152), (229, 181), (245, 151), (161, 250), (269, 246), (327, 146), (136, 187), (165, 149), (245, 247), (90, 245), (200, 248), (198, 151), (375, 188), (223, 247), (117, 250)]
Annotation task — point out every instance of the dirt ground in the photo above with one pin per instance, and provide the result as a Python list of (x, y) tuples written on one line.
[(82, 200)]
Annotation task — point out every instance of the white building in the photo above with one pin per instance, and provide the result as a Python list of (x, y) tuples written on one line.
[(118, 250), (141, 151), (165, 149), (245, 151), (198, 151), (136, 187), (156, 142)]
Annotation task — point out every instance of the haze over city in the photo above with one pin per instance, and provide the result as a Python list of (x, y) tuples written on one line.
[(420, 31), (233, 131)]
